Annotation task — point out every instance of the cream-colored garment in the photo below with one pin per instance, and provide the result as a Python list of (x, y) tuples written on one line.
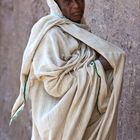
[(72, 97)]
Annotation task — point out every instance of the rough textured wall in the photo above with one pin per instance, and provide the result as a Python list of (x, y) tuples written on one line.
[(115, 20), (119, 22)]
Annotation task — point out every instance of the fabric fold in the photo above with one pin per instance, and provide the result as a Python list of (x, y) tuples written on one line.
[(72, 96)]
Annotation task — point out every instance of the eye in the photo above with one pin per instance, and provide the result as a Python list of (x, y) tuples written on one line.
[(66, 1)]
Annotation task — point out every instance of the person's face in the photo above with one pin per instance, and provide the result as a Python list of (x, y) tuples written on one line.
[(72, 9)]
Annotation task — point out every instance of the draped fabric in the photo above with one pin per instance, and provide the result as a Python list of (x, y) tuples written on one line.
[(72, 96)]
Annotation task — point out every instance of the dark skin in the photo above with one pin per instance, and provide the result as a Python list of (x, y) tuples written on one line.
[(74, 10)]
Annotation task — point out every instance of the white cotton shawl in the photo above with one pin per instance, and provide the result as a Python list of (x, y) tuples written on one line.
[(72, 97)]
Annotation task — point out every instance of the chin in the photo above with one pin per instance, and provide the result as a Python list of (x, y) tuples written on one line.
[(78, 20)]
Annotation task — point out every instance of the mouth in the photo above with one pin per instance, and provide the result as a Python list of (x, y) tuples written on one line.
[(77, 16), (77, 13)]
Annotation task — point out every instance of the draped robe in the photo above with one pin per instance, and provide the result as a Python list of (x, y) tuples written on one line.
[(72, 96)]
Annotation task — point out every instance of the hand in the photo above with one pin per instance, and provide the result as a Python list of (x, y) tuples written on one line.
[(105, 63)]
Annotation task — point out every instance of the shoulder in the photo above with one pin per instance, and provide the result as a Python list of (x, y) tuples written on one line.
[(56, 32), (60, 36)]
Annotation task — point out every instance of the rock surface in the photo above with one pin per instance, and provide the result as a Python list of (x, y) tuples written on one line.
[(117, 21)]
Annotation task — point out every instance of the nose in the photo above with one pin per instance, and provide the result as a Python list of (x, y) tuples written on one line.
[(75, 4)]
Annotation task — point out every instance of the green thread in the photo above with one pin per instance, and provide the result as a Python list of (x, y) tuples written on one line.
[(25, 84), (20, 108), (95, 68), (97, 101)]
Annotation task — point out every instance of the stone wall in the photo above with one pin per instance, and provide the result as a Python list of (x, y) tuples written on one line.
[(117, 21)]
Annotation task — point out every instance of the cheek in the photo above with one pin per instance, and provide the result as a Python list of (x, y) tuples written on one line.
[(66, 11)]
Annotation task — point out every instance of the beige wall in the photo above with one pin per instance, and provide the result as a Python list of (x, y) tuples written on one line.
[(115, 20)]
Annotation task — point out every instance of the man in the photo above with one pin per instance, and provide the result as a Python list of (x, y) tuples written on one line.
[(74, 10), (72, 77)]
